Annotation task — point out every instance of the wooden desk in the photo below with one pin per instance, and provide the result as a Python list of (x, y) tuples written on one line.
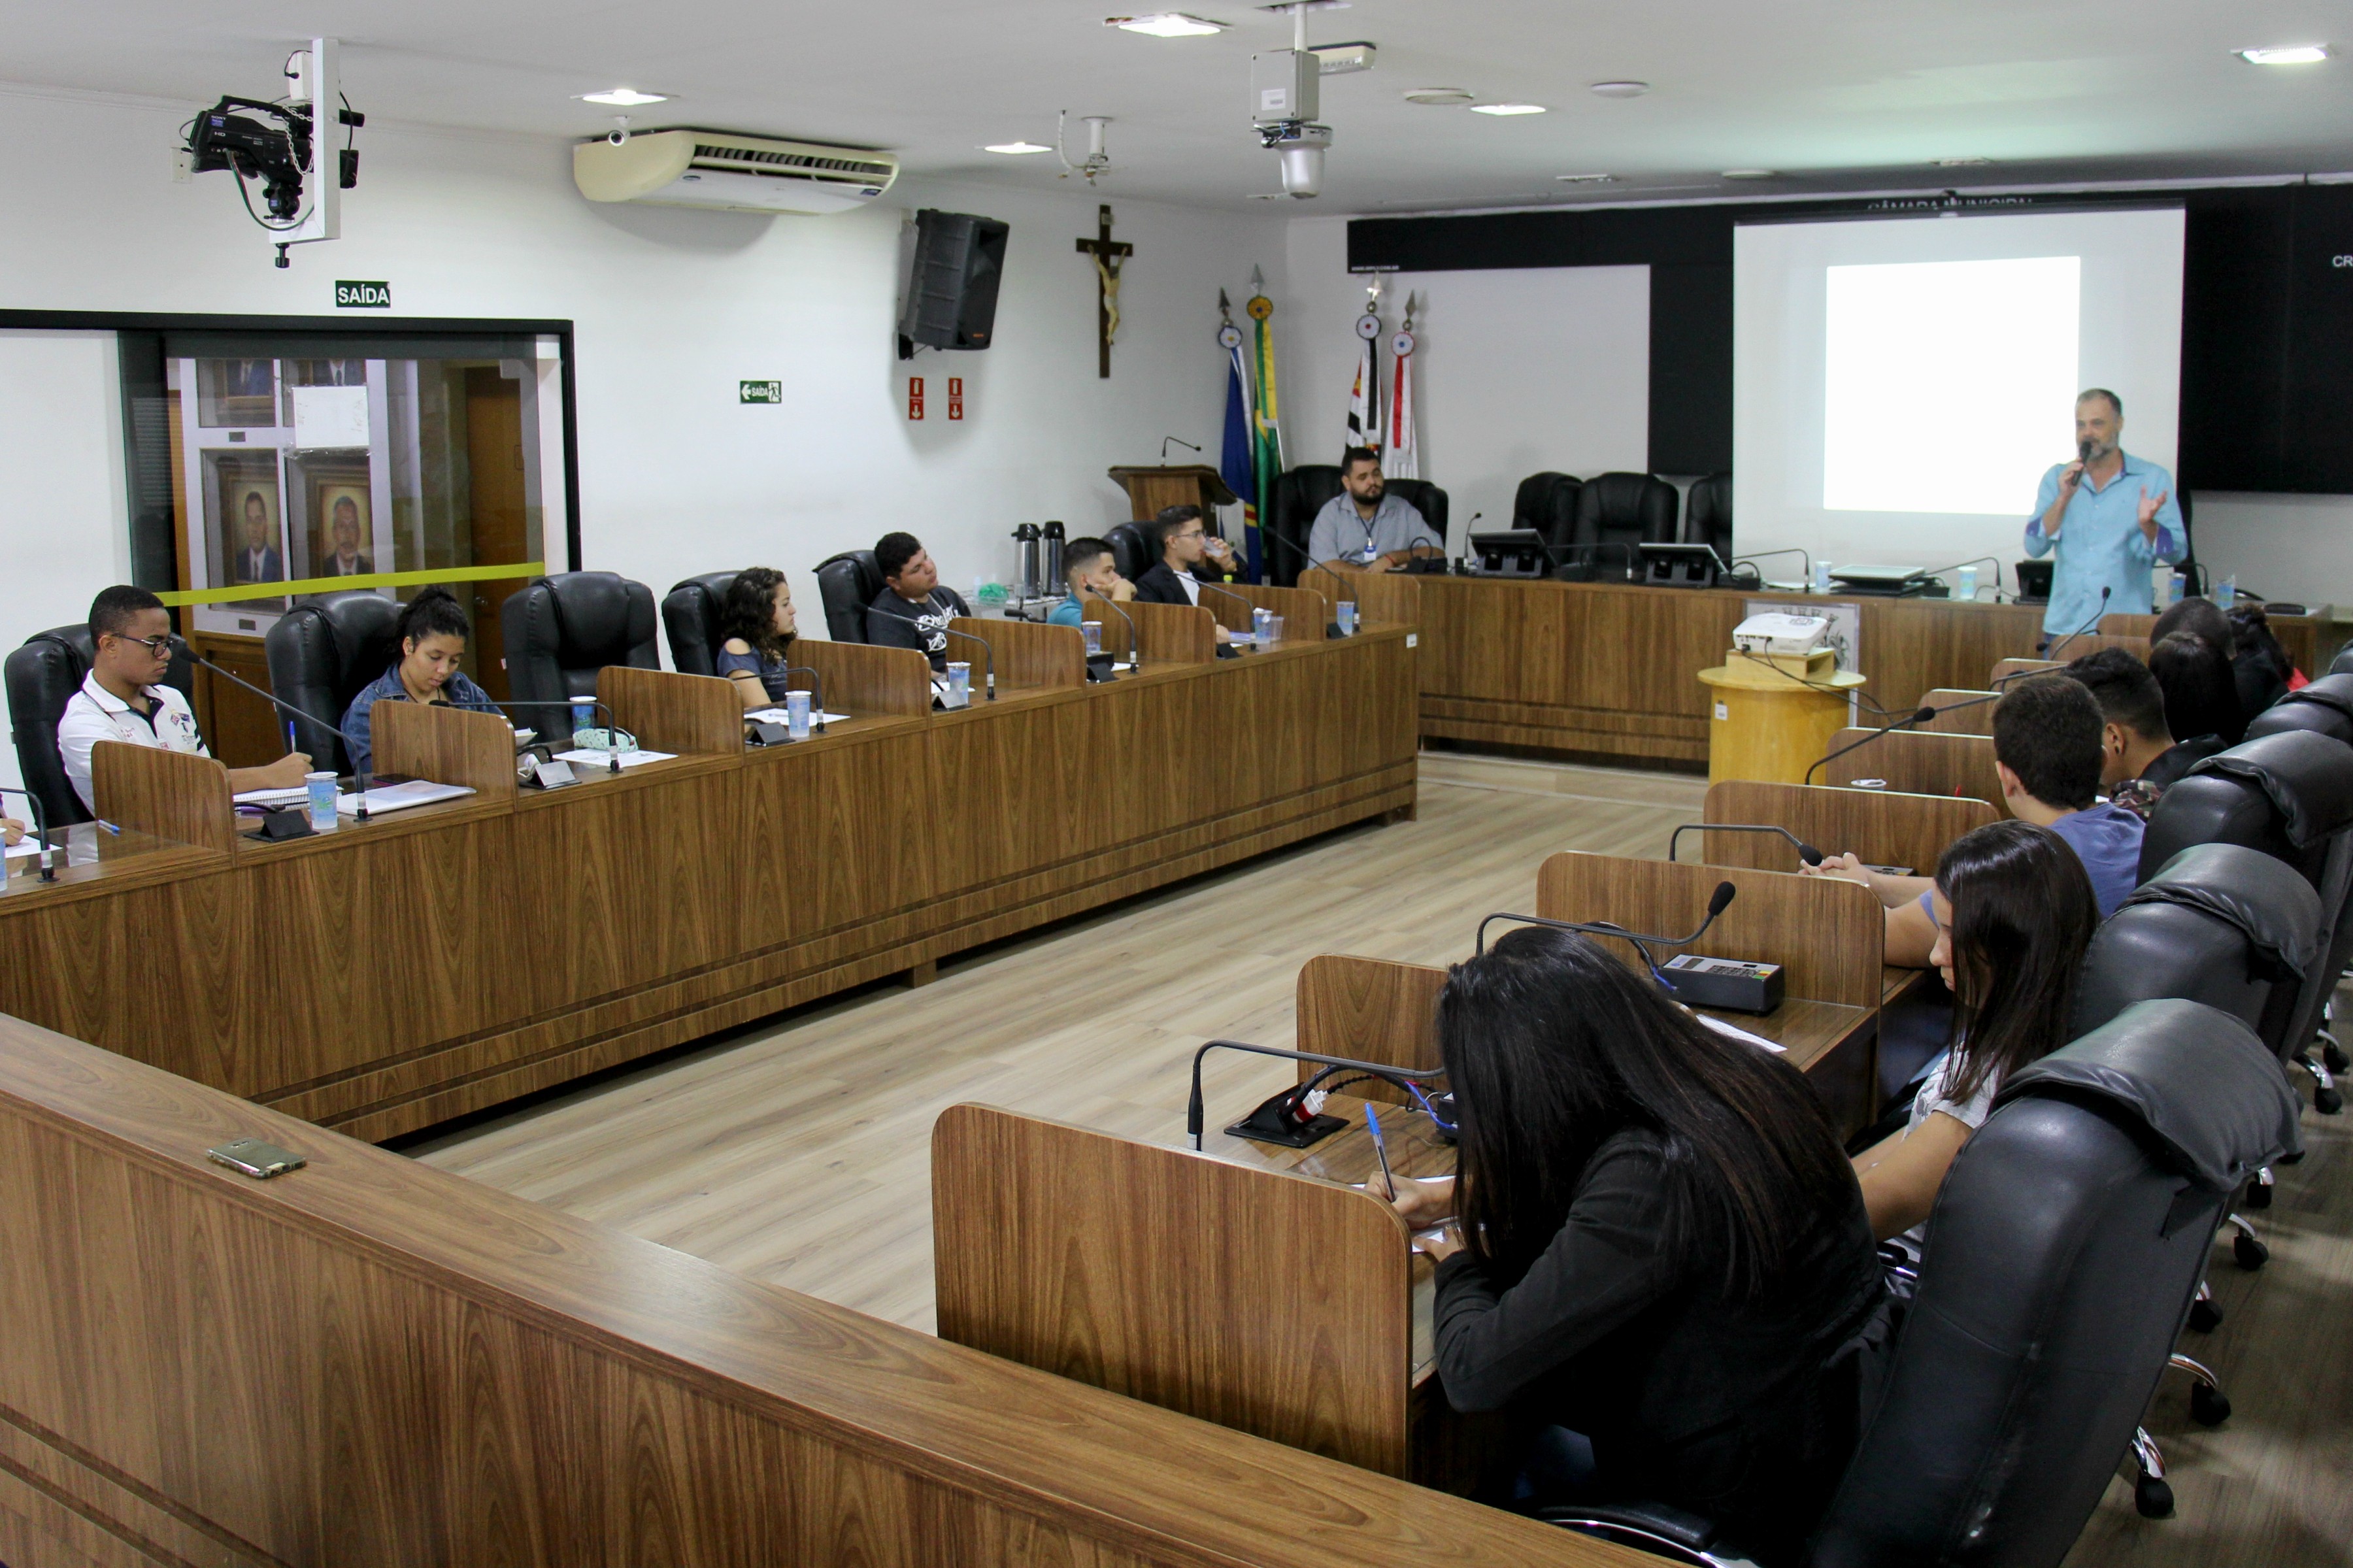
[(373, 1364), (2310, 639), (1609, 670), (1829, 936), (1918, 762), (1960, 713), (1886, 828), (431, 963)]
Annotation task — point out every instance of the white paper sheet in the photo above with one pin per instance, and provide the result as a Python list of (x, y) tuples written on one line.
[(382, 798), (779, 716), (596, 759), (293, 796), (1735, 1031)]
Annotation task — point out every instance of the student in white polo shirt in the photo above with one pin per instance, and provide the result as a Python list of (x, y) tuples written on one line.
[(124, 698)]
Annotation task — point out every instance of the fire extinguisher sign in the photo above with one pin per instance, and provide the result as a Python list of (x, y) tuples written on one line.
[(956, 397), (915, 397)]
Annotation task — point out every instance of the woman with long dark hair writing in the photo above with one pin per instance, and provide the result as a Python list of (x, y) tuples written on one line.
[(1660, 1245)]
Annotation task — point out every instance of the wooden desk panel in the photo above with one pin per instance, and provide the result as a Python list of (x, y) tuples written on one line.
[(1913, 763), (173, 796), (1960, 713), (1025, 653), (1270, 1303), (438, 961), (446, 745), (1886, 828), (860, 679), (371, 1363), (690, 715), (1373, 1010)]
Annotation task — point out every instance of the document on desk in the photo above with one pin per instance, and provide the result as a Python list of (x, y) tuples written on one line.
[(294, 796), (29, 848), (584, 757), (779, 716), (1735, 1032), (400, 796)]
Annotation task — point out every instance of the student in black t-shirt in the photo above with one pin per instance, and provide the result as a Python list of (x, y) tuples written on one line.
[(2140, 756), (913, 610)]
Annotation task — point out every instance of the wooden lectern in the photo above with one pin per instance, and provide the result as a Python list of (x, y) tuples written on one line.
[(1194, 484)]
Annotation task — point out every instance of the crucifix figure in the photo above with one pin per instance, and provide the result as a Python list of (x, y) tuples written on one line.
[(1108, 253)]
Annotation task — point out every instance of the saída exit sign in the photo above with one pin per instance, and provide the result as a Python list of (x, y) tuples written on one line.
[(759, 392), (349, 296)]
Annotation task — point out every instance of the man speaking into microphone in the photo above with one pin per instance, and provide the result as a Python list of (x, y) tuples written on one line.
[(2111, 517)]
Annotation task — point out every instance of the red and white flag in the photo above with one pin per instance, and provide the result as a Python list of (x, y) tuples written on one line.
[(1402, 455), (1365, 402)]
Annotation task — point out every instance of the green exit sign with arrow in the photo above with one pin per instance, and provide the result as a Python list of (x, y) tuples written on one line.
[(760, 392)]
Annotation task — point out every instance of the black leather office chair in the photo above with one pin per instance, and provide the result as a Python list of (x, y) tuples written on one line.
[(846, 585), (1299, 494), (42, 676), (1616, 512), (561, 630), (1424, 496), (1545, 502), (2343, 663), (2326, 705), (1707, 515), (690, 615), (321, 653), (2063, 1252), (1131, 550)]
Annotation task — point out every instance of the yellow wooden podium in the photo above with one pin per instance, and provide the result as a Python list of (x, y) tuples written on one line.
[(1772, 718)]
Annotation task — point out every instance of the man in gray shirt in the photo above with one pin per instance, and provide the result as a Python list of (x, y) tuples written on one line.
[(1365, 527)]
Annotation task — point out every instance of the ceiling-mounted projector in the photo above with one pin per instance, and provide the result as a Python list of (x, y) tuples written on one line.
[(687, 167)]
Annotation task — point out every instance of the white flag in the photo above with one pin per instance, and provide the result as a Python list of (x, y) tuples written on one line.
[(1401, 458), (1365, 402)]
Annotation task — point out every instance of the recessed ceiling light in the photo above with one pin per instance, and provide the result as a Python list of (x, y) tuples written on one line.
[(1438, 95), (1016, 148), (1508, 109), (1752, 173), (2286, 55), (623, 96), (1961, 162), (1621, 88), (1167, 25), (1587, 179)]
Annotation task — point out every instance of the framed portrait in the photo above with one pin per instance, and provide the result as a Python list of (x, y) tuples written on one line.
[(345, 544), (245, 524), (237, 393)]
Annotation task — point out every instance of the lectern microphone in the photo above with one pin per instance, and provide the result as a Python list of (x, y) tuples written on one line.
[(2050, 650), (1332, 628), (1806, 852)]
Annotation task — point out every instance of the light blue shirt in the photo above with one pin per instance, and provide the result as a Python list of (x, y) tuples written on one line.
[(1065, 614), (2100, 544)]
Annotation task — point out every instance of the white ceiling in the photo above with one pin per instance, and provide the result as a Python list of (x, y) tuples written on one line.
[(1838, 94)]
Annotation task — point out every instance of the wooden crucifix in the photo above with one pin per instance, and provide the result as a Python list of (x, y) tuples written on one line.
[(1108, 253)]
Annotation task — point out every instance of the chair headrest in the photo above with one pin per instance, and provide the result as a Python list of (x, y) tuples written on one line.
[(594, 616), (2198, 1080), (2264, 897), (1532, 502), (2306, 776), (1710, 502), (2343, 663), (2326, 705), (691, 612)]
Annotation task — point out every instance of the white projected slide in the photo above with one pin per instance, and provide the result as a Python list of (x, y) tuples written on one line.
[(1900, 386)]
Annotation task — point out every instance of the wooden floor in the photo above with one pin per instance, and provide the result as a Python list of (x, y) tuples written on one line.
[(796, 1153)]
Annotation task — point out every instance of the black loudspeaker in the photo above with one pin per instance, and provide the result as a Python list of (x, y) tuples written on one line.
[(952, 290)]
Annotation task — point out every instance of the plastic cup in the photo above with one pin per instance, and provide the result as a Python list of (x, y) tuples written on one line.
[(1968, 576), (797, 715), (1821, 576), (959, 684), (322, 801), (1273, 633), (1093, 632), (1347, 612), (1260, 616)]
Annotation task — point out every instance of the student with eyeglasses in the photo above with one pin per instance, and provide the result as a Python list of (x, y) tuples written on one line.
[(124, 698)]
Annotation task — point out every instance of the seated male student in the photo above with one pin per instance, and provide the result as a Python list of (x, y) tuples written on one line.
[(1364, 528), (2047, 756), (1189, 558), (913, 610), (124, 698), (2138, 755), (1089, 568)]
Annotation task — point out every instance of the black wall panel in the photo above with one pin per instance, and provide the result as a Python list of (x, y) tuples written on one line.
[(2266, 332)]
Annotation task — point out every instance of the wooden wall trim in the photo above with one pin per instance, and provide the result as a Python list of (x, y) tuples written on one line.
[(370, 1361)]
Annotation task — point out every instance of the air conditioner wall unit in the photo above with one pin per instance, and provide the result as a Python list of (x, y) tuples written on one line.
[(695, 168)]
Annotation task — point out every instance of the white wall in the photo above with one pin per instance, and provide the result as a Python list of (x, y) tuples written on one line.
[(62, 530), (2298, 548), (672, 309), (1517, 369)]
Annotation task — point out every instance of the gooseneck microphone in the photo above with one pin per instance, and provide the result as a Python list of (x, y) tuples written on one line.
[(1717, 902), (612, 724), (1330, 629), (1166, 441), (1409, 1081), (359, 774), (987, 657), (2050, 650), (1751, 561), (1806, 852), (1135, 637), (1229, 593), (1920, 715), (41, 826)]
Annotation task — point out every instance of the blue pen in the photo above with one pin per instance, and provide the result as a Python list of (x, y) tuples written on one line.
[(1372, 1125)]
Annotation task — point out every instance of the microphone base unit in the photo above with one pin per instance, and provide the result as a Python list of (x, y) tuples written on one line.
[(1727, 985), (282, 823), (1099, 668), (1282, 1120)]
